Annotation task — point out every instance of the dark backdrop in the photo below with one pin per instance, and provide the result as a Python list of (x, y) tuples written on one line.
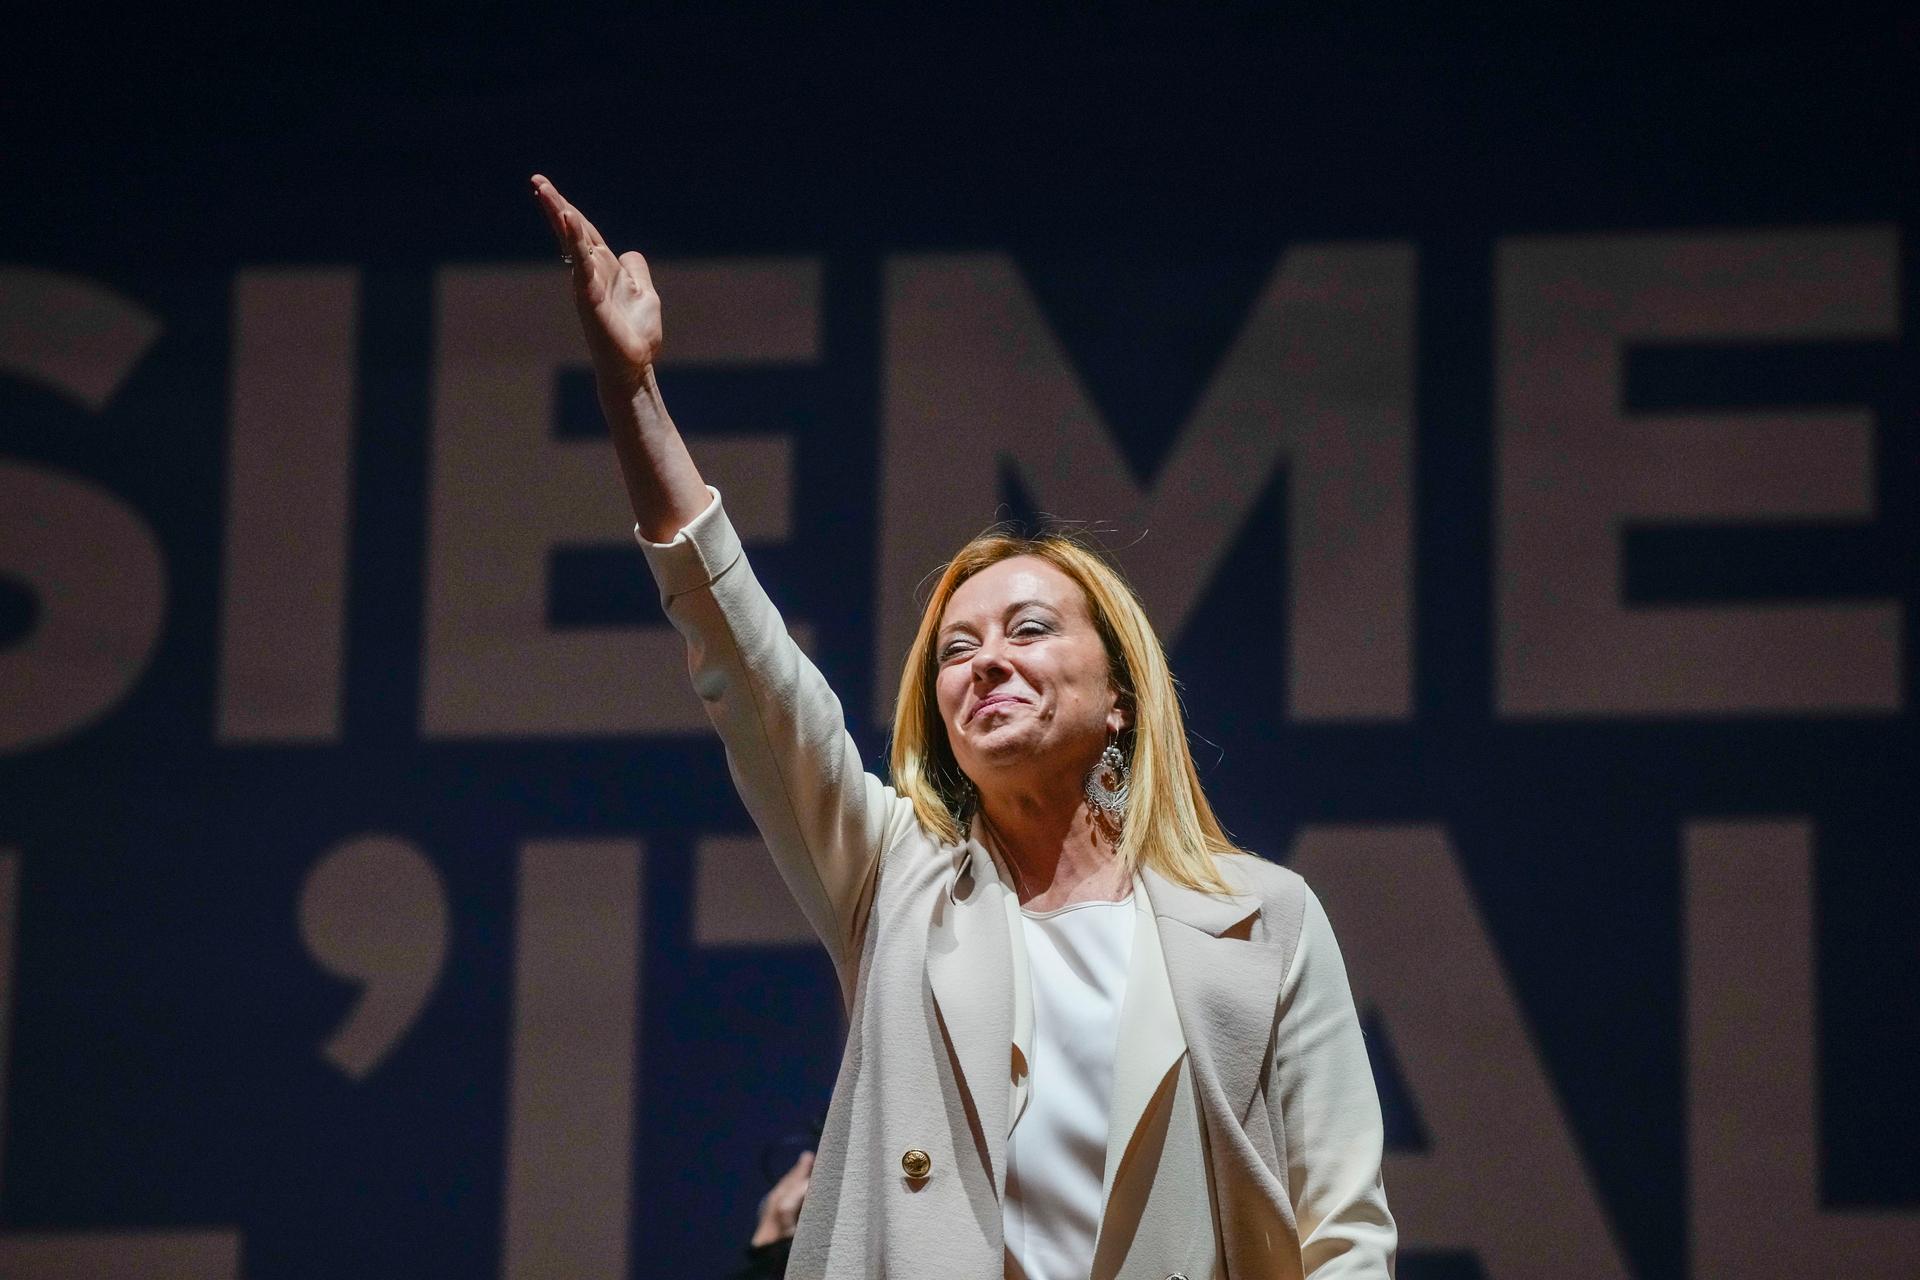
[(191, 906)]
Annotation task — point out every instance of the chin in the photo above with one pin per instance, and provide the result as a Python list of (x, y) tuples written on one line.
[(1005, 748)]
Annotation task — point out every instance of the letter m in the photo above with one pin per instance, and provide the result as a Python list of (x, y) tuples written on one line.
[(1319, 380)]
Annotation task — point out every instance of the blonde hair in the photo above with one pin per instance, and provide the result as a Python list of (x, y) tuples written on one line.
[(1169, 825)]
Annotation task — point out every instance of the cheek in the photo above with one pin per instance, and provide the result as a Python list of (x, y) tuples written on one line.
[(948, 688), (1092, 680)]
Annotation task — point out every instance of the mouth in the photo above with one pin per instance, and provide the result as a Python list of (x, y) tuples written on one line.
[(990, 702)]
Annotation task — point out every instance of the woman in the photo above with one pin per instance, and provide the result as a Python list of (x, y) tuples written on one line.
[(1086, 1036)]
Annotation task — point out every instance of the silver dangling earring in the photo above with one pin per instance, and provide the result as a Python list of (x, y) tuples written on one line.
[(1107, 784)]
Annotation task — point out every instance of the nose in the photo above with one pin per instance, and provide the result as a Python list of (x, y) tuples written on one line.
[(989, 663)]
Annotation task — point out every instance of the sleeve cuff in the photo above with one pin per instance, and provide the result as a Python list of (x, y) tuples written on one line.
[(705, 548)]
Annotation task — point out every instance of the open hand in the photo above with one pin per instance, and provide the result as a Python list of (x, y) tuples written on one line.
[(780, 1211), (619, 310)]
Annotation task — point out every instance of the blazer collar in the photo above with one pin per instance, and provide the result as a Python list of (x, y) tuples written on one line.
[(977, 970), (1226, 967), (971, 968), (1148, 1043), (1210, 913)]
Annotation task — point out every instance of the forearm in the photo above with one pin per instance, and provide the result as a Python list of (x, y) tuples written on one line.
[(663, 484)]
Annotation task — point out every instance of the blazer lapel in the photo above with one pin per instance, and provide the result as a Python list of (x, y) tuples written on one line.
[(1022, 1073), (970, 970), (1225, 977), (1149, 1042)]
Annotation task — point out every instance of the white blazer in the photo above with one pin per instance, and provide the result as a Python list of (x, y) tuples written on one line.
[(1245, 1132)]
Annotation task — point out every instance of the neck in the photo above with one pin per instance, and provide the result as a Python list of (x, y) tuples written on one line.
[(1057, 852)]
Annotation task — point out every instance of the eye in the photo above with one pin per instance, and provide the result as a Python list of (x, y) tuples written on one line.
[(953, 648), (1030, 627)]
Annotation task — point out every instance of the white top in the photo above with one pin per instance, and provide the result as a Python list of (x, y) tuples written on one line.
[(1077, 958)]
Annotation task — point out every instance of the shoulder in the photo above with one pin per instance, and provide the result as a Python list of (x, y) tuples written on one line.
[(1283, 897), (1269, 881)]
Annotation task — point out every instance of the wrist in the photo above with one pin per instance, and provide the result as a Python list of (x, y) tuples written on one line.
[(631, 397), (624, 386)]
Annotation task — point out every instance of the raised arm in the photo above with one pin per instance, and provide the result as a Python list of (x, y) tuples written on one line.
[(824, 818), (620, 316)]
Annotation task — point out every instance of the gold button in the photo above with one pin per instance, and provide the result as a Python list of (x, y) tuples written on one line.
[(916, 1163)]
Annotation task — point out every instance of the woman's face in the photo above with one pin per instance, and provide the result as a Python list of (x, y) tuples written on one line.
[(1023, 682)]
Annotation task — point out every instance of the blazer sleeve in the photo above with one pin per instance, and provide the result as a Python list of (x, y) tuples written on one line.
[(824, 818), (1332, 1115)]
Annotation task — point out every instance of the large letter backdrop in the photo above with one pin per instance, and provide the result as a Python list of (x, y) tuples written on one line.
[(1511, 433)]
